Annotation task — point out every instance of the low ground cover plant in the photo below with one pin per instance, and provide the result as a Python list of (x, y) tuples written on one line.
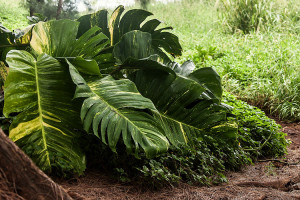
[(109, 86)]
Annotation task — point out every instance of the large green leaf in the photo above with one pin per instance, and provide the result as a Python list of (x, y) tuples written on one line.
[(114, 108), (41, 91), (132, 20), (95, 19), (148, 63), (113, 25), (134, 44), (185, 107), (168, 41), (58, 39), (207, 77), (210, 79)]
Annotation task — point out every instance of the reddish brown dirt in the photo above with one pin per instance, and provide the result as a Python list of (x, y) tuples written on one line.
[(263, 180)]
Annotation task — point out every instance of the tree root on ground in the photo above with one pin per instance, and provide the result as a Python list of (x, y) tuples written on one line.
[(287, 184), (21, 179)]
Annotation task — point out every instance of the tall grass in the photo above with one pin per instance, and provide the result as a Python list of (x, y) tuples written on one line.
[(248, 15), (13, 14), (262, 69), (259, 15)]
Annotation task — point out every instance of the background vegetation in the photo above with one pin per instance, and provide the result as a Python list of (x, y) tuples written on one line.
[(256, 50), (261, 67)]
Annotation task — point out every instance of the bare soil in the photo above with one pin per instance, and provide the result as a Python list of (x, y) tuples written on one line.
[(266, 179)]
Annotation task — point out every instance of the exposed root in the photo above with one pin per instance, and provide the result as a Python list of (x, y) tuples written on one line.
[(281, 184), (280, 161)]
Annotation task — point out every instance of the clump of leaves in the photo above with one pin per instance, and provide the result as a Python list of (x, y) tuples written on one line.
[(205, 162), (258, 134), (204, 54)]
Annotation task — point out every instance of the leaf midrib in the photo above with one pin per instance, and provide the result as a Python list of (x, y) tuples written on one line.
[(181, 123), (117, 111), (40, 113)]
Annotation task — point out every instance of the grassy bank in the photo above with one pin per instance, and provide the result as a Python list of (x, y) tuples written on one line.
[(261, 68)]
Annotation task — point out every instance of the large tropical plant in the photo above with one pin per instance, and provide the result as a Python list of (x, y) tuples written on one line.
[(163, 42), (78, 78)]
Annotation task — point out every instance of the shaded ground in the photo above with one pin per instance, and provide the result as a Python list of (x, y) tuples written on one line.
[(276, 179)]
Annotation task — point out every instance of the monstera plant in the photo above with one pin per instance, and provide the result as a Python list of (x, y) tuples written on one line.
[(104, 77), (116, 26)]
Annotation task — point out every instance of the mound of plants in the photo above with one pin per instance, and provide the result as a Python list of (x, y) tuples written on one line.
[(106, 89), (205, 162)]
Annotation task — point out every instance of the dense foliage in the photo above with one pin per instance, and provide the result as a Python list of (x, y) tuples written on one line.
[(40, 89), (206, 161), (109, 84)]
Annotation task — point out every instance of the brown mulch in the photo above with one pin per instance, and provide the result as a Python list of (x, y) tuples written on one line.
[(267, 179)]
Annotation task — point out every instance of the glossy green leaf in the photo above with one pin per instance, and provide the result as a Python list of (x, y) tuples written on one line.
[(134, 44), (18, 39), (58, 39), (41, 92), (55, 38), (210, 79), (98, 18), (150, 25), (184, 105), (135, 19), (6, 36), (168, 41), (115, 109), (149, 63), (113, 25), (132, 20), (86, 66)]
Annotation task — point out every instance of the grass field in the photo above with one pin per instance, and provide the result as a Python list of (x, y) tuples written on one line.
[(262, 68), (13, 14)]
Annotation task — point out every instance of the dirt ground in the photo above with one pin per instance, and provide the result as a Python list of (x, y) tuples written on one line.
[(276, 179)]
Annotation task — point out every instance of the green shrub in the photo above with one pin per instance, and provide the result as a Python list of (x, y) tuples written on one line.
[(248, 15), (257, 133), (208, 159)]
